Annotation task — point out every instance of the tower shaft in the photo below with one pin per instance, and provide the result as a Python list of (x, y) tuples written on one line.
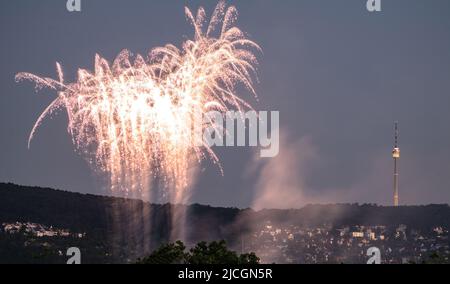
[(396, 156), (396, 197)]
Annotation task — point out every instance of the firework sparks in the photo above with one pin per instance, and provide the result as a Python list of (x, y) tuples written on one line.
[(133, 118)]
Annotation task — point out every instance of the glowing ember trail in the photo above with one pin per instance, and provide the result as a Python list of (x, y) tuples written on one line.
[(133, 118)]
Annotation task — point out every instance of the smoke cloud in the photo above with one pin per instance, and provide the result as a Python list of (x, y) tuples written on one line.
[(280, 183)]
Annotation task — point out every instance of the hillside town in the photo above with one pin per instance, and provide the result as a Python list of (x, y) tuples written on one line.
[(346, 244), (37, 230)]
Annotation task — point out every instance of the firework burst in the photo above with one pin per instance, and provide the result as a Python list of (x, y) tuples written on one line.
[(133, 118)]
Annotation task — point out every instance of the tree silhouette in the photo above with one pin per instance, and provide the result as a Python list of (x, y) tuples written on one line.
[(202, 253), (172, 253)]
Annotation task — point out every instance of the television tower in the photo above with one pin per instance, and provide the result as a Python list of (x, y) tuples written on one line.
[(396, 156)]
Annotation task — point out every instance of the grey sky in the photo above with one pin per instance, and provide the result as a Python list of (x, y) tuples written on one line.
[(338, 75)]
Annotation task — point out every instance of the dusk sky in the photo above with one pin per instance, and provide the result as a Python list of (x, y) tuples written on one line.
[(339, 75)]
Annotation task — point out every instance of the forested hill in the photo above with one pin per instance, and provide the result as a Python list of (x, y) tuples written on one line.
[(100, 214)]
